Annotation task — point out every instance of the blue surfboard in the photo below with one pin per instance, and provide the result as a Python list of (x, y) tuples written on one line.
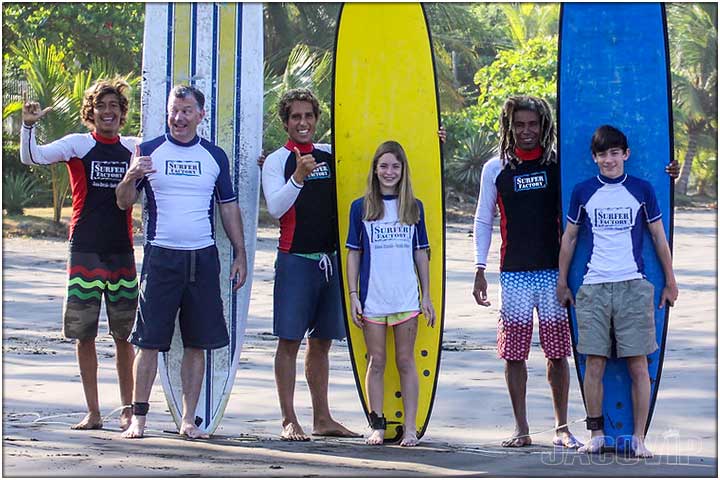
[(613, 69)]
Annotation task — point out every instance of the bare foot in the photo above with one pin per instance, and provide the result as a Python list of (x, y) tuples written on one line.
[(519, 439), (409, 439), (376, 437), (293, 432), (136, 428), (331, 428), (92, 421), (125, 418), (639, 449), (595, 445), (566, 439), (190, 430)]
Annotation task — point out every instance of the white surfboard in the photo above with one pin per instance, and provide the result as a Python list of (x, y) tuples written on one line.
[(218, 47)]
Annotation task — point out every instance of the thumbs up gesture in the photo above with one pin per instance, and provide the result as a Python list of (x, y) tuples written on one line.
[(304, 165), (140, 165)]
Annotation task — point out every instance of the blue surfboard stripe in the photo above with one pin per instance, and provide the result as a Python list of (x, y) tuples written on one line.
[(613, 69), (193, 72), (236, 163), (213, 82), (169, 42), (193, 43)]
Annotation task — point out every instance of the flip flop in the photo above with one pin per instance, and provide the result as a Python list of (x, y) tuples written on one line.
[(571, 442)]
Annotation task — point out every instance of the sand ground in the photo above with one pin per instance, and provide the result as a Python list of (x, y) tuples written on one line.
[(471, 415)]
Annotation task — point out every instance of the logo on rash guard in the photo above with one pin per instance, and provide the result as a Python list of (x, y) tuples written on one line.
[(383, 232), (321, 172), (614, 218), (107, 174), (530, 181), (186, 168)]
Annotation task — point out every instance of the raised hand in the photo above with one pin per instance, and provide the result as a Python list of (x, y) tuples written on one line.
[(32, 112)]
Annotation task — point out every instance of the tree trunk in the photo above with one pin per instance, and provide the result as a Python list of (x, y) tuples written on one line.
[(682, 184), (60, 185)]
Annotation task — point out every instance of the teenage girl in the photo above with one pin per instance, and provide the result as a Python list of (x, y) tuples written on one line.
[(388, 255)]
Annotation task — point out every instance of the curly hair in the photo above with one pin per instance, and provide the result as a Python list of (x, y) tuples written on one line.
[(547, 128), (98, 90), (296, 95)]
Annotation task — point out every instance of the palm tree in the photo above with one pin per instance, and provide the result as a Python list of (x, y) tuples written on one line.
[(48, 79), (290, 24), (693, 34), (304, 69), (530, 20), (50, 83)]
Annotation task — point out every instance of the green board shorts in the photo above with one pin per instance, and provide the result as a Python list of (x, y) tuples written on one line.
[(628, 307)]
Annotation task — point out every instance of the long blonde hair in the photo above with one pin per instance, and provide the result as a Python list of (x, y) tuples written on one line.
[(408, 210)]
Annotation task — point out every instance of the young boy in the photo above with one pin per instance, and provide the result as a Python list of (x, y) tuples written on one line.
[(617, 208)]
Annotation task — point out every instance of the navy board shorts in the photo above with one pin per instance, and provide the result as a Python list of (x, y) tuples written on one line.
[(306, 298), (184, 280)]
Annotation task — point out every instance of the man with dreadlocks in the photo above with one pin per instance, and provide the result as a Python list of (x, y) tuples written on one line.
[(524, 181)]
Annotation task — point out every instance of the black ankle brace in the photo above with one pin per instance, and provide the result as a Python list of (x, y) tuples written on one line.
[(140, 408), (595, 423), (377, 422)]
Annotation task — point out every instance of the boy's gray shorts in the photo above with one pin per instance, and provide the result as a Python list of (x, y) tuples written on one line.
[(629, 305)]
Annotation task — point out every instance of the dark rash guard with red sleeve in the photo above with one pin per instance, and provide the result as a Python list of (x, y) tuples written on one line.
[(528, 199), (307, 213), (96, 165)]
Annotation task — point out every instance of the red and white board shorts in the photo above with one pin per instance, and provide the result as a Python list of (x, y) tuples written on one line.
[(521, 293)]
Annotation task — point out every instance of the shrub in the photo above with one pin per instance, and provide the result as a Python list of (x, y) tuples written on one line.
[(19, 189)]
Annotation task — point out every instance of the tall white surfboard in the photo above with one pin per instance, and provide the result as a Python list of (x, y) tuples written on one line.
[(218, 47)]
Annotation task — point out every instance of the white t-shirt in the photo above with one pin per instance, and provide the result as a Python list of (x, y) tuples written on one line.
[(617, 212), (179, 195), (388, 280)]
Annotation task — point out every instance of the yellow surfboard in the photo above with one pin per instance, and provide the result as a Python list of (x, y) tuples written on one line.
[(384, 89)]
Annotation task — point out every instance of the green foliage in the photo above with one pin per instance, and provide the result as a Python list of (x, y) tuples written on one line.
[(526, 21), (531, 70), (464, 168), (304, 69), (50, 83), (86, 31), (693, 54), (706, 173), (287, 25), (461, 126), (465, 37), (18, 191)]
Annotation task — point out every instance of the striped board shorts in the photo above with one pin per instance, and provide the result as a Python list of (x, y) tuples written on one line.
[(92, 276)]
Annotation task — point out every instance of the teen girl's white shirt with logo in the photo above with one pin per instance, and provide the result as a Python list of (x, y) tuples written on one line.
[(388, 281)]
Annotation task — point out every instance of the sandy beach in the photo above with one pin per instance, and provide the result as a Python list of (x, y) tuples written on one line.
[(42, 394)]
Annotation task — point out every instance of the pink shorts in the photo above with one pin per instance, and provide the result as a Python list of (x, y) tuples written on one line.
[(521, 293)]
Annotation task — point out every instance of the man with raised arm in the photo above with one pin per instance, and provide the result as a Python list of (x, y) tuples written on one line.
[(101, 261)]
